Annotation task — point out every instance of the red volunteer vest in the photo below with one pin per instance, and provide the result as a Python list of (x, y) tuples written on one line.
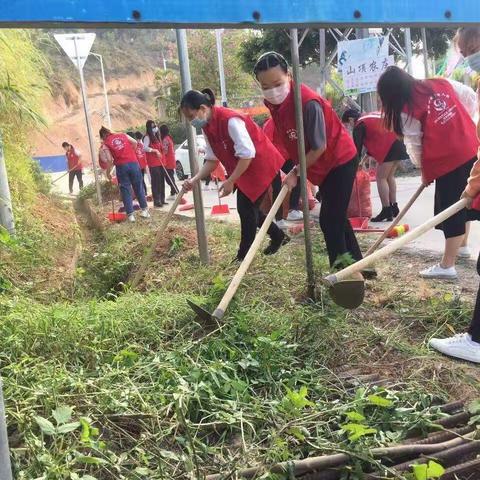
[(140, 153), (73, 161), (378, 140), (153, 160), (169, 152), (270, 132), (449, 134), (121, 149), (340, 146), (263, 167)]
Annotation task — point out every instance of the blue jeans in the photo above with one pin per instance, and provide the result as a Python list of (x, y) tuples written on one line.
[(130, 176)]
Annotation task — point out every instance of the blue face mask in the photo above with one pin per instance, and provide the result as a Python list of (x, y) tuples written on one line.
[(474, 61), (198, 122)]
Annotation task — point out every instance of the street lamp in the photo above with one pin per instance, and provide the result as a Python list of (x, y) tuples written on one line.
[(107, 109)]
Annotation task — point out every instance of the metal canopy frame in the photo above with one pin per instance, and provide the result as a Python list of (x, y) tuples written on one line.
[(181, 14), (238, 14)]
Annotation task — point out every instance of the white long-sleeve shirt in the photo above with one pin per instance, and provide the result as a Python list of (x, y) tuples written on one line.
[(242, 142), (412, 128), (146, 144)]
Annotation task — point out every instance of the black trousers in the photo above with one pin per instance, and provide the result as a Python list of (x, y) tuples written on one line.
[(474, 330), (71, 177), (144, 184), (336, 191), (158, 185), (170, 179), (251, 218)]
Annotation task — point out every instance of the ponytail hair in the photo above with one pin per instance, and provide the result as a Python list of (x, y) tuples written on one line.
[(194, 99)]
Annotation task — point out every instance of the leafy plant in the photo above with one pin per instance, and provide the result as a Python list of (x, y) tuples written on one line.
[(429, 471)]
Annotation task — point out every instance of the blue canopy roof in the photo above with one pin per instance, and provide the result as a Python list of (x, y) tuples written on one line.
[(238, 13)]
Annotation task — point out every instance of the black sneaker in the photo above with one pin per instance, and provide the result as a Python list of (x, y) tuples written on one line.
[(395, 209), (384, 216), (274, 245)]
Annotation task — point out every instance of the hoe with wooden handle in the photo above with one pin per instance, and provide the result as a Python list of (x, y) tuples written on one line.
[(242, 269), (349, 293)]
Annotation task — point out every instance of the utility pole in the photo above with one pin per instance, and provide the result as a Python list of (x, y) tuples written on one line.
[(408, 50), (323, 69), (6, 212), (5, 467), (221, 70), (105, 94), (192, 147), (425, 52)]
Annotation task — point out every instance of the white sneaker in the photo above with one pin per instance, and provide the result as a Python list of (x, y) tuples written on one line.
[(171, 197), (145, 213), (460, 346), (464, 252), (131, 218), (295, 215), (437, 271), (281, 224)]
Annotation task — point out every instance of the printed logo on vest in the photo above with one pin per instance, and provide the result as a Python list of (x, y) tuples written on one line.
[(292, 134), (438, 105), (225, 145)]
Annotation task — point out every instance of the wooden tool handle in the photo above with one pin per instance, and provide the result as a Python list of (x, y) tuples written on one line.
[(396, 244), (242, 269), (402, 213), (149, 253)]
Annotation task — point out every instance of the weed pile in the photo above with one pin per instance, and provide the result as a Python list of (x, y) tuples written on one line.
[(116, 384)]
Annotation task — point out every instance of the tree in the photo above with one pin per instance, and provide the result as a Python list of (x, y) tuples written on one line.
[(204, 64), (278, 40)]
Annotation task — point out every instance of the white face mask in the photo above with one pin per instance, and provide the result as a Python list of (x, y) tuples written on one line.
[(277, 95)]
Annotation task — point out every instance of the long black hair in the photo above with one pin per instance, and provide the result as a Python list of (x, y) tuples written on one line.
[(270, 60), (153, 136), (164, 131), (194, 99), (395, 89)]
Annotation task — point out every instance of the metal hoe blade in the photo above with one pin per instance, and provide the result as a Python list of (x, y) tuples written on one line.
[(348, 293), (201, 313)]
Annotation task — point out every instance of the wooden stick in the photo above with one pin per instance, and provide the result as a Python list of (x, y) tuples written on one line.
[(395, 222), (149, 253), (240, 273), (330, 461), (396, 244)]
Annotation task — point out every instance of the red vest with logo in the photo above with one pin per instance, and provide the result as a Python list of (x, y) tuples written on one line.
[(169, 152), (153, 160), (378, 140), (73, 161), (449, 134), (263, 167), (121, 149), (140, 153), (271, 133), (340, 146)]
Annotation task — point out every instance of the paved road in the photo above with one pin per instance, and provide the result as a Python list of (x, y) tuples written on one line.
[(421, 211)]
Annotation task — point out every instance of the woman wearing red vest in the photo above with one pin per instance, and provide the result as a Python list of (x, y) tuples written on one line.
[(74, 165), (331, 155), (170, 162), (441, 138), (250, 159), (141, 156), (121, 148), (154, 150), (466, 346), (388, 151)]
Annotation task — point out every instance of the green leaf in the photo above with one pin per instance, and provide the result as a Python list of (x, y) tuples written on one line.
[(299, 399), (355, 417), (46, 426), (379, 401), (428, 472), (474, 407), (68, 427), (90, 460), (356, 431), (142, 471), (62, 414), (169, 455)]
